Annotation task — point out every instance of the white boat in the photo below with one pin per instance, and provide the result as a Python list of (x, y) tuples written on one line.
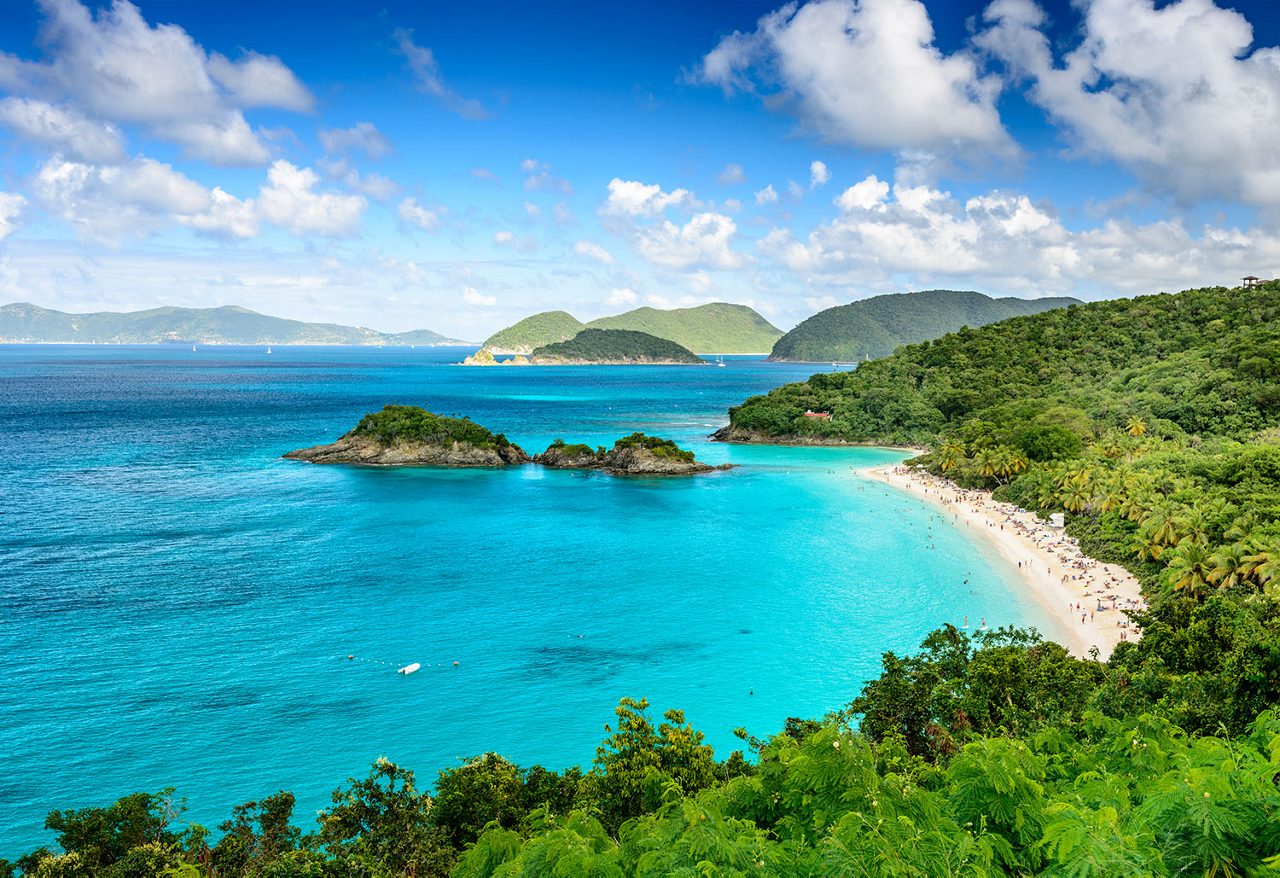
[(720, 362), (268, 349), (193, 349), (409, 669)]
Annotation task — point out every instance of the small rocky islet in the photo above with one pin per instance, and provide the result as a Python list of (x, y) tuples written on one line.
[(403, 435)]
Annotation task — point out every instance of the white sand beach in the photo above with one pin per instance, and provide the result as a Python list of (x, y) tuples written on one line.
[(1086, 596)]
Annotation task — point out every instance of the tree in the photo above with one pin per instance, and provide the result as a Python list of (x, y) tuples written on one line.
[(1136, 426), (1189, 568)]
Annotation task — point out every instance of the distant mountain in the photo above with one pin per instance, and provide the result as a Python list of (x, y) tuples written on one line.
[(716, 328), (876, 327), (26, 323), (614, 347), (546, 327)]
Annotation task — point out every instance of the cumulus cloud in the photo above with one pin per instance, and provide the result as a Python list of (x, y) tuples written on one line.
[(362, 137), (818, 174), (1172, 93), (135, 198), (704, 240), (422, 216), (11, 207), (864, 73), (375, 185), (62, 129), (472, 296), (428, 80), (732, 175), (595, 251), (260, 81), (632, 198), (113, 67), (1004, 241), (767, 195), (289, 200)]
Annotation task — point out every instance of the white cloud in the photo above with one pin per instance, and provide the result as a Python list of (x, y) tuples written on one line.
[(1002, 241), (226, 217), (289, 201), (376, 186), (632, 198), (507, 238), (427, 79), (795, 190), (1172, 93), (11, 207), (362, 137), (622, 297), (62, 129), (260, 81), (704, 240), (595, 251), (472, 296), (865, 73), (864, 195), (818, 174), (483, 174), (539, 177), (137, 198), (732, 175), (701, 282), (767, 195), (532, 210), (113, 66), (415, 214)]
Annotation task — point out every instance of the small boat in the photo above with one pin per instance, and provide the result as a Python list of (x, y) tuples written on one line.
[(268, 349), (193, 349), (720, 362), (409, 669)]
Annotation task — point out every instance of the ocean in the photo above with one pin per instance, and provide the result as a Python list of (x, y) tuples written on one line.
[(178, 603)]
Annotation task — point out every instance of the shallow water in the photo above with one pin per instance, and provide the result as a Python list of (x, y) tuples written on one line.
[(177, 603)]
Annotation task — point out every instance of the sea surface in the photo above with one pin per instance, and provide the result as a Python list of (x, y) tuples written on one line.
[(178, 603)]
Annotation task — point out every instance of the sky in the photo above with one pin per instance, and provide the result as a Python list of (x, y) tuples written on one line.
[(458, 166)]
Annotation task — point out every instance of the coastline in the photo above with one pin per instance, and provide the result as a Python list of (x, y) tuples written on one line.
[(1048, 561)]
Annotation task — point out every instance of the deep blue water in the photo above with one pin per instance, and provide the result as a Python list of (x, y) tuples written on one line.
[(177, 603)]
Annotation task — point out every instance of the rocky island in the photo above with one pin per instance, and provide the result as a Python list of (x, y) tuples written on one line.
[(634, 455), (406, 435), (615, 347)]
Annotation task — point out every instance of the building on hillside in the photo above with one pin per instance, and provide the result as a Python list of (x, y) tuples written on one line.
[(826, 416)]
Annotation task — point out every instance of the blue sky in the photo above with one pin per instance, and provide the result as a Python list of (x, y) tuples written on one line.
[(456, 167)]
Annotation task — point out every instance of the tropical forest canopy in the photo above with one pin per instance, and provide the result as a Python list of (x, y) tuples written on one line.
[(614, 346), (1152, 424)]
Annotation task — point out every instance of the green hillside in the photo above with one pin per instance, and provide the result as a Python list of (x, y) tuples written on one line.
[(876, 327), (611, 346), (546, 327), (716, 328), (26, 323)]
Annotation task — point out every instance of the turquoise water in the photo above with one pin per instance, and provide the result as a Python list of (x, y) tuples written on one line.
[(178, 602)]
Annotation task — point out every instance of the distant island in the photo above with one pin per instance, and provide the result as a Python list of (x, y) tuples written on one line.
[(875, 327), (636, 454), (407, 435), (24, 323), (716, 328), (604, 347)]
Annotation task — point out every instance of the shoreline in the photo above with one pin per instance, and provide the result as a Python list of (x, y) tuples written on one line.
[(1057, 576)]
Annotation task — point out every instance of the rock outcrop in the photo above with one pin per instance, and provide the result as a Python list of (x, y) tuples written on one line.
[(372, 452), (634, 455)]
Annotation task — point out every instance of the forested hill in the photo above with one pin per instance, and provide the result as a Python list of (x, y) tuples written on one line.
[(875, 327), (715, 328), (614, 347), (25, 323), (1202, 362)]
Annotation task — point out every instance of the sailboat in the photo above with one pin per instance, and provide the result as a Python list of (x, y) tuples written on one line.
[(720, 361), (268, 348)]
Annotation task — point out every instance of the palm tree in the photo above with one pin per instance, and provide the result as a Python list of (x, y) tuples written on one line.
[(1264, 565), (950, 455), (1229, 566), (1136, 426), (1188, 570), (1161, 527)]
